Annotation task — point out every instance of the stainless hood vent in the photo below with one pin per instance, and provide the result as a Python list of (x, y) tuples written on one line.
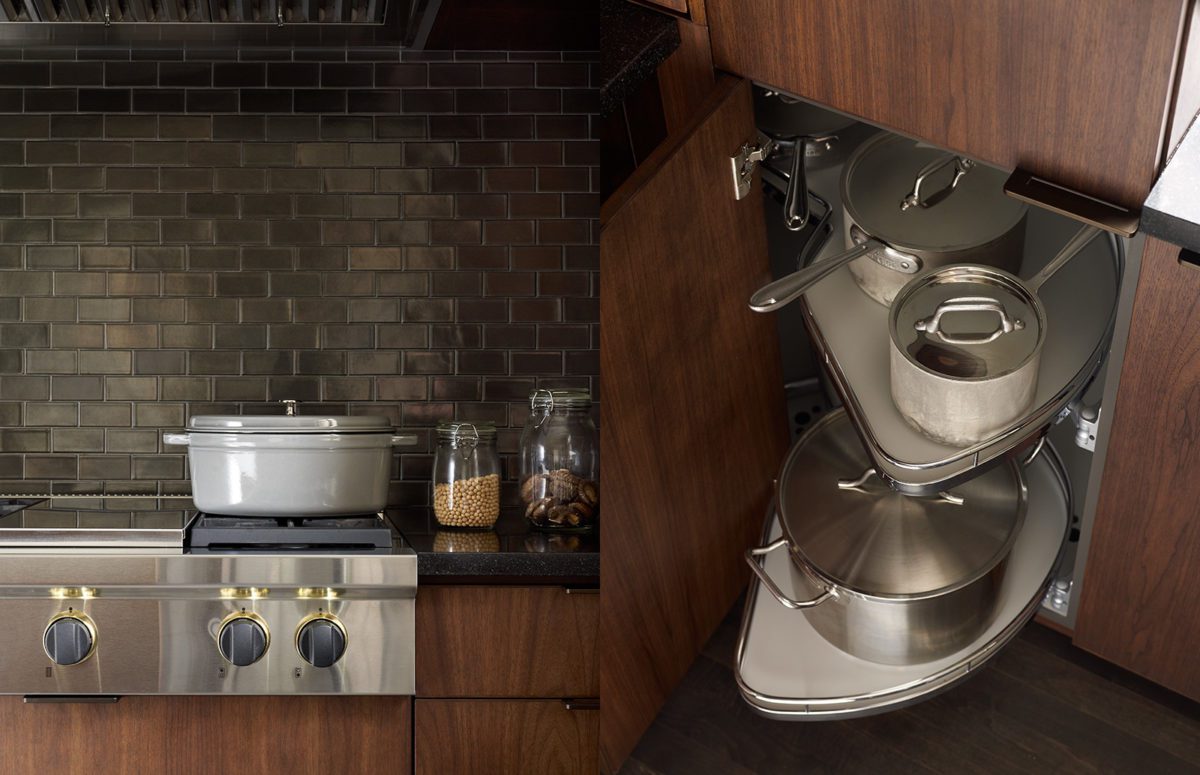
[(278, 12)]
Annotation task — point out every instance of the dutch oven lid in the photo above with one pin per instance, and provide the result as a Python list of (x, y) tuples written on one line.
[(867, 538), (255, 423), (967, 323), (882, 172)]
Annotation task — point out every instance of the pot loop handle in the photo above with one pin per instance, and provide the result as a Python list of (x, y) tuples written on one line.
[(549, 405), (773, 588), (962, 166), (932, 326)]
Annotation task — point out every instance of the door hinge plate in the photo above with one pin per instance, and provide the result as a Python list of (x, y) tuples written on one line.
[(743, 162)]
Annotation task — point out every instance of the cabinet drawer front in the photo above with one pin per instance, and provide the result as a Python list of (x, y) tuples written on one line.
[(500, 737), (1073, 91), (260, 735), (506, 642)]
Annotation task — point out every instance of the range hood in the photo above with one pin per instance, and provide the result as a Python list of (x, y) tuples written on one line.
[(277, 12)]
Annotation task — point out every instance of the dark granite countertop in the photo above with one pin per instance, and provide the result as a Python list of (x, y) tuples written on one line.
[(513, 550), (634, 41), (1172, 211)]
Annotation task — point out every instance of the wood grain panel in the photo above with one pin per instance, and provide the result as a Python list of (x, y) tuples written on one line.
[(686, 77), (1138, 605), (218, 735), (693, 378), (504, 737), (506, 642), (1073, 90)]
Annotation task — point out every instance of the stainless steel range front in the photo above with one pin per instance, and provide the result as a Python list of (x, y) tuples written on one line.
[(277, 619)]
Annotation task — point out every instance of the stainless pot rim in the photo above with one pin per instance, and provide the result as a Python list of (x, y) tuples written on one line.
[(855, 213), (1007, 279), (837, 588)]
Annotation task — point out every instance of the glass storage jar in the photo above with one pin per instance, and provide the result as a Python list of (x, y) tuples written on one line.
[(560, 461), (466, 475)]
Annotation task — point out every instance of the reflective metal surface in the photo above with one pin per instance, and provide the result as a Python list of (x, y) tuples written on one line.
[(786, 671), (861, 535), (157, 619), (91, 523), (850, 333)]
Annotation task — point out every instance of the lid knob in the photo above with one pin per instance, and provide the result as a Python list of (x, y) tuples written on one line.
[(289, 406)]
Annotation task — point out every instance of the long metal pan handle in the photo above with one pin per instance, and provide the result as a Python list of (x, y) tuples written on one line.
[(1074, 245), (770, 584), (796, 211), (788, 288)]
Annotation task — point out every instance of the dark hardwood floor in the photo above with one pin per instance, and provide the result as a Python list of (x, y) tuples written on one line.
[(1042, 706)]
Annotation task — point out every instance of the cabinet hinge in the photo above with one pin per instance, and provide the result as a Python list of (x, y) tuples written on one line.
[(743, 162)]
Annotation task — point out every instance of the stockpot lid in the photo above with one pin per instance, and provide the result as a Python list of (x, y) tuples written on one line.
[(968, 322), (864, 537), (255, 423), (882, 172)]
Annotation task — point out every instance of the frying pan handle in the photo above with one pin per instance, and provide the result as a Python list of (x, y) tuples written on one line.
[(932, 325), (796, 208), (786, 289), (773, 588), (962, 166)]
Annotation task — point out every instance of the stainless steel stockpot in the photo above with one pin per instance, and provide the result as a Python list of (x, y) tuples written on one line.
[(966, 347), (892, 578), (908, 210), (286, 465)]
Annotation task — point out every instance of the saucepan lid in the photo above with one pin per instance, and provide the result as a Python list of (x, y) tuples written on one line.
[(968, 323), (883, 173), (855, 532)]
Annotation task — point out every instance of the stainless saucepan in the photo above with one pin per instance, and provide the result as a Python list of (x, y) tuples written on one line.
[(884, 576), (966, 345), (898, 228)]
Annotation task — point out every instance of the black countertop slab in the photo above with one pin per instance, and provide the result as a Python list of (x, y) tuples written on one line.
[(634, 41), (512, 550), (1172, 211)]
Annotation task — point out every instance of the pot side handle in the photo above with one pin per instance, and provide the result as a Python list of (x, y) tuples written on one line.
[(770, 584), (177, 439), (404, 440)]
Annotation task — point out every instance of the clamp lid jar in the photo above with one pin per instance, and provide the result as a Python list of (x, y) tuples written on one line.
[(466, 475), (560, 461)]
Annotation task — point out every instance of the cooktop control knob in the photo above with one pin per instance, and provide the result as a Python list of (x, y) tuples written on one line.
[(321, 640), (69, 639), (243, 638)]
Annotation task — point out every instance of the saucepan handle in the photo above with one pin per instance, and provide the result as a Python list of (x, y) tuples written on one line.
[(962, 166), (773, 588), (404, 440), (932, 326)]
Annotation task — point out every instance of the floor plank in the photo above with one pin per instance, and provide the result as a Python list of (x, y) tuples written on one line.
[(1042, 706)]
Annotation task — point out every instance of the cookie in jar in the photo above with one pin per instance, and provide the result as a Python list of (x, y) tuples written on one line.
[(560, 461)]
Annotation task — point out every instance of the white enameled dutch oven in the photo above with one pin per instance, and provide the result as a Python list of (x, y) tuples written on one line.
[(289, 465)]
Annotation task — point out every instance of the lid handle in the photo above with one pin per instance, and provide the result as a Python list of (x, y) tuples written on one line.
[(962, 166), (857, 486), (932, 326), (289, 406)]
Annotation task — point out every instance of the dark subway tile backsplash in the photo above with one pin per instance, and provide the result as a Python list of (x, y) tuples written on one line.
[(409, 234)]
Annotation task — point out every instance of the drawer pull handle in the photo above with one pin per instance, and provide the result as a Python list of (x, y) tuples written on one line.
[(92, 699), (581, 704)]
